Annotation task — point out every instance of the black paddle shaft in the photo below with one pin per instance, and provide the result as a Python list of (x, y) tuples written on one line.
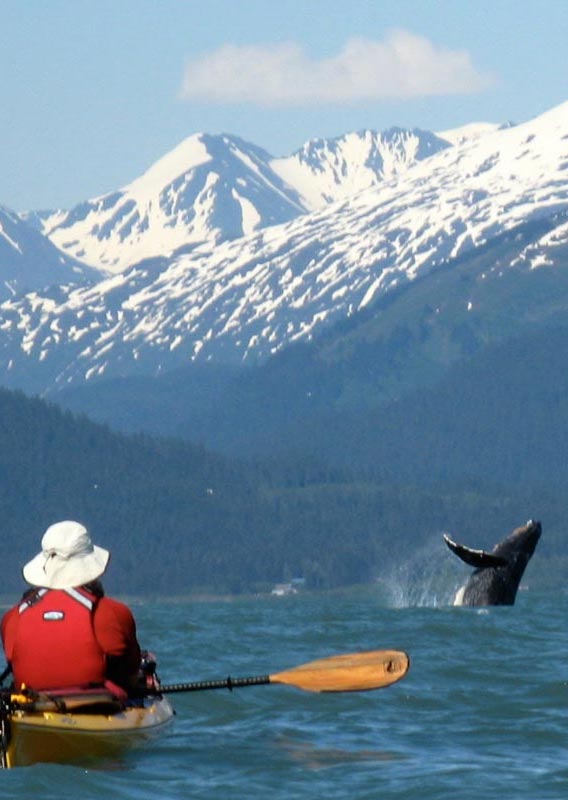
[(198, 686)]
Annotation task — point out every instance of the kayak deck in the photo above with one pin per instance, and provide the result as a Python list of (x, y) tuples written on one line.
[(79, 737)]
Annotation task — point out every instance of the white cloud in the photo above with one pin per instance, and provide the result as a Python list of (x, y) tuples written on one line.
[(403, 65)]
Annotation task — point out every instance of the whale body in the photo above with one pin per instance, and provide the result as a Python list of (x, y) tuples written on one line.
[(497, 574)]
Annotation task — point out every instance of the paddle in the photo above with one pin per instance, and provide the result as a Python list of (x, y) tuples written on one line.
[(4, 720), (354, 672)]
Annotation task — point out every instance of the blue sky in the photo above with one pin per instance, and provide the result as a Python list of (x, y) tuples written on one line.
[(94, 91)]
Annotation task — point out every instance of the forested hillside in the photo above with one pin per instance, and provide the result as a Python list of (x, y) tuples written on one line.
[(500, 417), (179, 520), (439, 354)]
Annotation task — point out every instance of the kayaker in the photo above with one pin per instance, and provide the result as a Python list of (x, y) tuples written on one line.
[(65, 632)]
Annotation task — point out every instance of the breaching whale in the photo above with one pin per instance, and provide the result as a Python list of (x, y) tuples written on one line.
[(497, 574)]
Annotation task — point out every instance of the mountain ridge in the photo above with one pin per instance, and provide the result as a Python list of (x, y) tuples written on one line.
[(215, 188), (244, 300)]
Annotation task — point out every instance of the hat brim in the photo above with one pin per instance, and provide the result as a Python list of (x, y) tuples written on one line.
[(59, 573)]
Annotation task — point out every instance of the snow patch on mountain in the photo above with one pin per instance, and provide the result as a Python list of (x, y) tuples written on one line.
[(550, 249)]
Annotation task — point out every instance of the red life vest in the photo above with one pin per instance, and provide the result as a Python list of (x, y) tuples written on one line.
[(55, 645)]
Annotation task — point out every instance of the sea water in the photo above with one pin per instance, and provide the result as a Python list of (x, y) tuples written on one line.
[(483, 711)]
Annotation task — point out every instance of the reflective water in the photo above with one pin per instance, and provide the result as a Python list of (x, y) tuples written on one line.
[(482, 712)]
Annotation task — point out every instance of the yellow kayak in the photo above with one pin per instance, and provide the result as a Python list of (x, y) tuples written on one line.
[(70, 731), (75, 728)]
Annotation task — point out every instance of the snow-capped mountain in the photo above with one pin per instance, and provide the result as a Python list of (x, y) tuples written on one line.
[(327, 170), (30, 261), (209, 188), (219, 188), (243, 300)]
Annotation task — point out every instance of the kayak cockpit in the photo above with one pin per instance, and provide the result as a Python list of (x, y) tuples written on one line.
[(79, 727)]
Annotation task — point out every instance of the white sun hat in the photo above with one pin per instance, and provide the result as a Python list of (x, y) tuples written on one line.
[(68, 558)]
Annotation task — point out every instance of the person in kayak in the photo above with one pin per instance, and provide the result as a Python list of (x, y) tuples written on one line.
[(65, 632)]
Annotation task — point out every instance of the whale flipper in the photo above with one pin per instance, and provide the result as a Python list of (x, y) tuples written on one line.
[(480, 559), (496, 575)]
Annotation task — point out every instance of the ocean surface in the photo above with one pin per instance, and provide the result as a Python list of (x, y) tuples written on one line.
[(482, 713)]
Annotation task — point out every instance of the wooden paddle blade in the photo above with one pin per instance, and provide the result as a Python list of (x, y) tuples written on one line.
[(354, 672)]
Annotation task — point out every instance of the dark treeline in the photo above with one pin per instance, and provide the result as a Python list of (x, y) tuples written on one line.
[(180, 520)]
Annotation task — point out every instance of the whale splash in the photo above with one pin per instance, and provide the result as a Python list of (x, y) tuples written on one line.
[(424, 580)]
